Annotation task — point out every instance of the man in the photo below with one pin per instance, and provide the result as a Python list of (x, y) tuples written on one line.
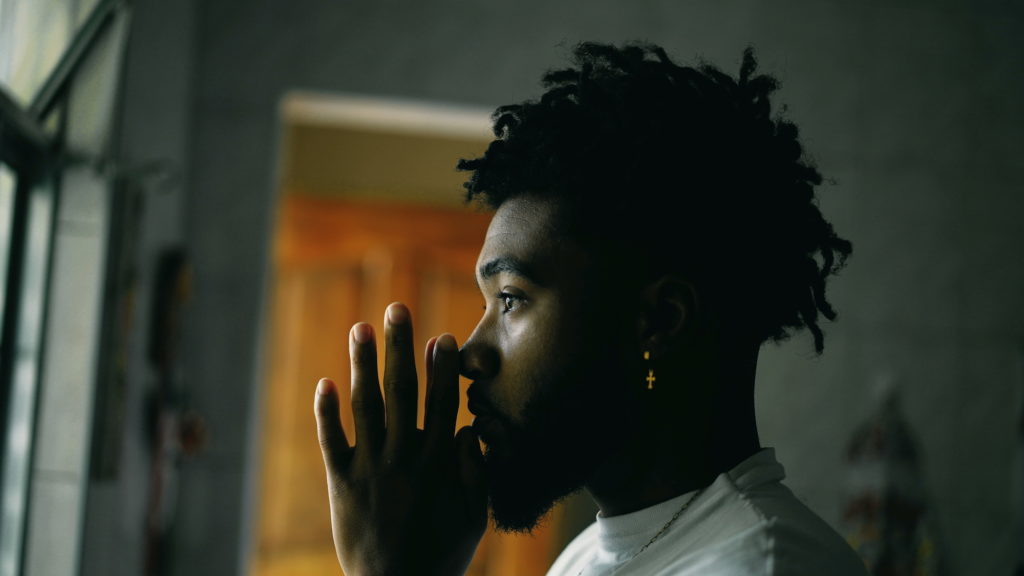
[(654, 225)]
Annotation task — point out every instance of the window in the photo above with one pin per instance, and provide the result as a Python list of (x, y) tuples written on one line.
[(34, 34), (59, 64)]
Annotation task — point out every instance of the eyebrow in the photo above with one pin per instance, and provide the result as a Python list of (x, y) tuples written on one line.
[(507, 264)]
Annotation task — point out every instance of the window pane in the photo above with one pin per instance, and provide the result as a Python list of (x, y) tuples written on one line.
[(82, 9), (6, 209), (24, 383), (33, 36)]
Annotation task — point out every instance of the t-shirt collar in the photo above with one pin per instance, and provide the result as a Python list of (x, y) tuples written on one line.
[(622, 535)]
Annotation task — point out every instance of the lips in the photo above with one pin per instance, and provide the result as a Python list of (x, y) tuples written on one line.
[(486, 424), (488, 429), (477, 404)]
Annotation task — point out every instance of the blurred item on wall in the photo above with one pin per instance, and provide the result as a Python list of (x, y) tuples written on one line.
[(888, 517)]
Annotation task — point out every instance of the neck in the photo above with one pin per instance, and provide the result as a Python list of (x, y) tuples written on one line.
[(698, 424)]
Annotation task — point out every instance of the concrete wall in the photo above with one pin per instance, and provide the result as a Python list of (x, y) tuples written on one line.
[(911, 106)]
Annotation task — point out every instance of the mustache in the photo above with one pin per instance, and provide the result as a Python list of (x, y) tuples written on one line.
[(479, 404)]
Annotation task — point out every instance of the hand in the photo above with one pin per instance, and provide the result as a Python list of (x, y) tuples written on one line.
[(403, 500)]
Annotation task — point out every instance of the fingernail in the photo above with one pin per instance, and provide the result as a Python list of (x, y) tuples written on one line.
[(447, 343), (362, 332), (323, 386), (398, 313)]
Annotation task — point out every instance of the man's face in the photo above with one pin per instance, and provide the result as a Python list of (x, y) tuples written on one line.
[(547, 363)]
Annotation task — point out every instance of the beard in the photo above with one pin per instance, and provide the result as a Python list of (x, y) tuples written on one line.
[(565, 435), (525, 483)]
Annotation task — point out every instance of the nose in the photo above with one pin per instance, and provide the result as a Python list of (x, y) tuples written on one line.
[(478, 360)]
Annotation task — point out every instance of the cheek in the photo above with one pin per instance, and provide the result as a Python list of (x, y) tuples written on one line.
[(558, 363), (534, 350)]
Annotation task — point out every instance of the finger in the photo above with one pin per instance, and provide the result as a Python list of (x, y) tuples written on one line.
[(400, 383), (472, 475), (428, 363), (367, 404), (333, 442), (443, 405)]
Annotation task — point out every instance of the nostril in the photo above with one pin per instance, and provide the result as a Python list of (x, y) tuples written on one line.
[(476, 361), (466, 366)]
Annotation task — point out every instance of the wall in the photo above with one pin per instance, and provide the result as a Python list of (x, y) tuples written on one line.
[(155, 105), (910, 106)]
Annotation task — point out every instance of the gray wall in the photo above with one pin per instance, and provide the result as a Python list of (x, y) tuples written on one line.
[(910, 106), (156, 101)]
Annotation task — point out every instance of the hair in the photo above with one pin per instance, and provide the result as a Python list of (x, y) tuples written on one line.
[(684, 170)]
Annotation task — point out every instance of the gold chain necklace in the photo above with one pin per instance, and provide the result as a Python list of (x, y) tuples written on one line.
[(658, 535)]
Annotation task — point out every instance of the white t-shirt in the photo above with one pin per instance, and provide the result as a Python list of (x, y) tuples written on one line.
[(745, 524)]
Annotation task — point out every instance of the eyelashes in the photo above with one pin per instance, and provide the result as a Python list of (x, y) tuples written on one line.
[(509, 302)]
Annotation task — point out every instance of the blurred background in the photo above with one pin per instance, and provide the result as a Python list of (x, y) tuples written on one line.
[(198, 198)]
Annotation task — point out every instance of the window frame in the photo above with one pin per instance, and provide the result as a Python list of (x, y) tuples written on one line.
[(36, 155)]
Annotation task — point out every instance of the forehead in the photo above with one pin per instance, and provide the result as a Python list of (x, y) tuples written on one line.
[(524, 228), (523, 216)]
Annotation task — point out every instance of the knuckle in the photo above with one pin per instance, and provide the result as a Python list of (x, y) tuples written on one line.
[(400, 336), (366, 406), (364, 358), (364, 469), (388, 464), (337, 487), (400, 375), (402, 382), (326, 442)]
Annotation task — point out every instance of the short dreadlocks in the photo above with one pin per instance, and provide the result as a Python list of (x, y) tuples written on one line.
[(685, 167)]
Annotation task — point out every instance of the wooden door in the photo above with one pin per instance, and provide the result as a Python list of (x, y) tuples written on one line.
[(337, 263)]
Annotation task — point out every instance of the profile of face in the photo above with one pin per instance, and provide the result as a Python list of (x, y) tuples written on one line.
[(548, 361)]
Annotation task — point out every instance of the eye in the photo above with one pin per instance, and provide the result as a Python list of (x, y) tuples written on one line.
[(510, 302)]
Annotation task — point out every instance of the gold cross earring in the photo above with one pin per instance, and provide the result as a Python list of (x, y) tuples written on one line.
[(650, 371)]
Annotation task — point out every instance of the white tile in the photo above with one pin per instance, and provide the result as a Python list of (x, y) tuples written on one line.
[(73, 334), (53, 540), (83, 200)]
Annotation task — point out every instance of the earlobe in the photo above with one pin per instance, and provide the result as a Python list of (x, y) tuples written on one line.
[(668, 313)]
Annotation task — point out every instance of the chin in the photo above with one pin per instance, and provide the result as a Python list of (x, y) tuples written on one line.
[(522, 493), (551, 453)]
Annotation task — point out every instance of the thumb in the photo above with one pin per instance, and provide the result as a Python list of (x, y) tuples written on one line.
[(472, 474)]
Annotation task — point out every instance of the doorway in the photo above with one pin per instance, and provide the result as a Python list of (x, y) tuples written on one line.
[(369, 212)]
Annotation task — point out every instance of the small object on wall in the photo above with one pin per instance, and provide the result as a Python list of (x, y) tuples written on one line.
[(887, 517), (175, 432)]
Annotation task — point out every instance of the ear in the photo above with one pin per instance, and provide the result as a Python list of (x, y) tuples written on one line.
[(668, 313)]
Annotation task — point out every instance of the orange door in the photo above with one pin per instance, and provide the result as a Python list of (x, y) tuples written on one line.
[(337, 263)]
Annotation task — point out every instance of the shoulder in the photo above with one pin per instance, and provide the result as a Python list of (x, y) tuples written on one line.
[(759, 533), (768, 530), (762, 516), (746, 522)]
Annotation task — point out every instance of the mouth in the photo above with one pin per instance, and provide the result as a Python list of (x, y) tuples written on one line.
[(488, 429), (477, 409), (486, 422), (477, 405)]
